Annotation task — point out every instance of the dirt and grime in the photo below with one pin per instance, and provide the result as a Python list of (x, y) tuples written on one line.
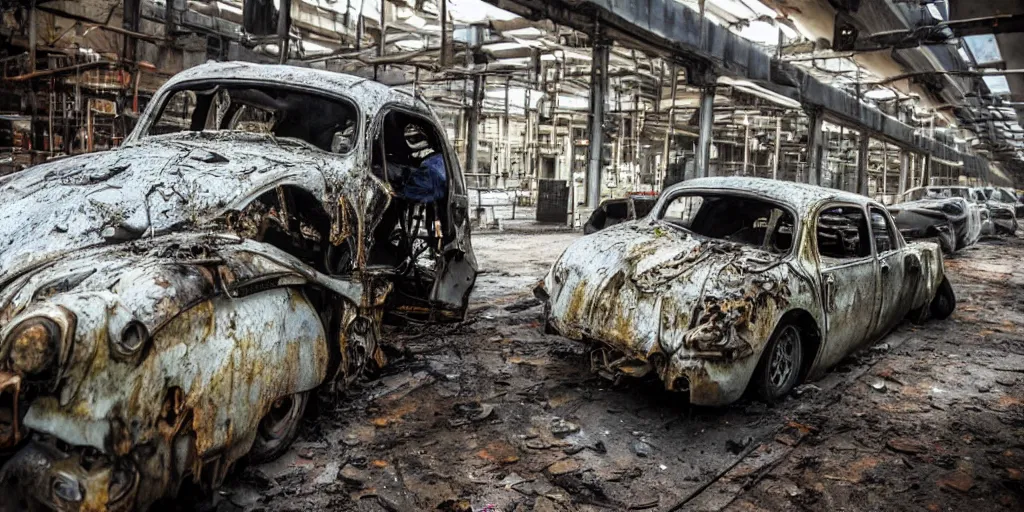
[(492, 414)]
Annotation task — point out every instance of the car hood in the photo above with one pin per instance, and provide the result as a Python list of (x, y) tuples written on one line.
[(647, 287), (156, 185), (997, 205), (920, 203)]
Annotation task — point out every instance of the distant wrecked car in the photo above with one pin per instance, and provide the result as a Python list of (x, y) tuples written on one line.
[(617, 211), (733, 284), (946, 215), (1003, 207), (166, 308)]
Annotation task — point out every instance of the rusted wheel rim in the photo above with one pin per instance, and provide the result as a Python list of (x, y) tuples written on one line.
[(282, 415), (783, 359)]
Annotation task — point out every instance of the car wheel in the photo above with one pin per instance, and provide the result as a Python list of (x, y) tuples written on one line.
[(944, 302), (279, 428), (779, 369)]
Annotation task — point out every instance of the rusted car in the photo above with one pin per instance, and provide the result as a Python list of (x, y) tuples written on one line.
[(167, 308), (737, 284), (1002, 206)]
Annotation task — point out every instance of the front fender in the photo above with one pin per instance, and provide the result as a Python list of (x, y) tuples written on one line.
[(222, 363)]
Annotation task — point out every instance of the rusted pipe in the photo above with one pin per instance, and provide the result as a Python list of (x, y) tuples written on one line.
[(138, 35), (51, 72)]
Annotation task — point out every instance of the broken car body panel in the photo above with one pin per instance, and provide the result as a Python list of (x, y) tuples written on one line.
[(158, 300), (699, 311)]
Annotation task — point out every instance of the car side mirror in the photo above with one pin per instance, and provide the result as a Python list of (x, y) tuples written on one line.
[(340, 143)]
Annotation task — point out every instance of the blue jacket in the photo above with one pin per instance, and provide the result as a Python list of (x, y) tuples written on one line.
[(428, 182)]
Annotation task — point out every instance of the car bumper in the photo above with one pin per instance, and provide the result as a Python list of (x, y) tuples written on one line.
[(706, 380)]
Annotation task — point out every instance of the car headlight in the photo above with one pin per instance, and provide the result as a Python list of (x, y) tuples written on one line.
[(34, 345), (130, 343)]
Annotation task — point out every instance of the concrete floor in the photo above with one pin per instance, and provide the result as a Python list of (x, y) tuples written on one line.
[(494, 415)]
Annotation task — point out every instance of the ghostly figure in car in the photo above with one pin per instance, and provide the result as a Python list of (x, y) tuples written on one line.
[(425, 182)]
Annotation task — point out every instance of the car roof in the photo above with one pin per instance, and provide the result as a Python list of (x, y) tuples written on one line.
[(800, 196), (941, 187), (369, 94)]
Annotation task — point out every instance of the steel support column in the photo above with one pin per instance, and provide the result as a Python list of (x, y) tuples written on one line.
[(598, 93), (885, 171), (815, 148), (862, 164), (670, 130), (707, 119), (444, 34), (506, 142), (904, 167), (746, 146), (473, 131), (778, 147), (169, 26), (131, 22), (284, 24), (926, 171), (382, 43), (32, 37)]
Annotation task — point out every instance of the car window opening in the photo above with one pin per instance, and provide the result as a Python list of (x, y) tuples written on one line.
[(617, 211), (883, 231), (842, 233), (743, 220), (408, 155), (328, 124)]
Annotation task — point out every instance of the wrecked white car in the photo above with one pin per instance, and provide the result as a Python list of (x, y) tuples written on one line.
[(733, 284), (166, 308), (946, 215)]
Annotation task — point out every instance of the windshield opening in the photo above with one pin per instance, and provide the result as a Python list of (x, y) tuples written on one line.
[(326, 123), (743, 220)]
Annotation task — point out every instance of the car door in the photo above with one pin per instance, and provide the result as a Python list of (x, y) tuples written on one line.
[(457, 268), (849, 278), (896, 274)]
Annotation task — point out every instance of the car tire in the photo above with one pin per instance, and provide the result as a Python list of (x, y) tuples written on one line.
[(944, 302), (278, 428), (781, 362)]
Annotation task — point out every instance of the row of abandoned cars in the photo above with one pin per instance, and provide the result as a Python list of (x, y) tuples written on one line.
[(168, 307), (954, 216), (957, 216)]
